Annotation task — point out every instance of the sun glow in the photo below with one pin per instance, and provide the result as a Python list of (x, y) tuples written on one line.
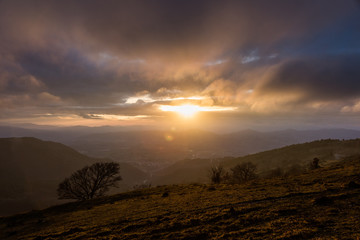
[(190, 110), (186, 111)]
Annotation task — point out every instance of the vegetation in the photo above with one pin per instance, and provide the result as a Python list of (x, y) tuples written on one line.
[(243, 172), (315, 163), (31, 170), (293, 159), (90, 181), (216, 174), (319, 204)]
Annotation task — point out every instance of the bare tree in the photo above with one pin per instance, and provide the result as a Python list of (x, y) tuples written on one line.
[(90, 182), (243, 172), (216, 174)]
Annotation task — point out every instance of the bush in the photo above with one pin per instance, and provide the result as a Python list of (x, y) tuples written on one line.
[(314, 164), (216, 174), (90, 182), (243, 172)]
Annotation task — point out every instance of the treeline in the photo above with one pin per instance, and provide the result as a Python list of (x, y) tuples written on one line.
[(245, 172)]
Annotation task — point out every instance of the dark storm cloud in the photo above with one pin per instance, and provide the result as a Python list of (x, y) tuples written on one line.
[(196, 30), (166, 29), (321, 78), (72, 76)]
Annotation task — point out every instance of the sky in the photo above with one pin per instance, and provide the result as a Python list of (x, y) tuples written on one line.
[(211, 64)]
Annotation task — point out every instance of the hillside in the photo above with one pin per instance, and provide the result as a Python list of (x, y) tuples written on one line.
[(297, 155), (151, 150), (31, 169), (319, 204)]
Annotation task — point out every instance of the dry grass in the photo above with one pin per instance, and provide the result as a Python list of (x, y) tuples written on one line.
[(315, 205)]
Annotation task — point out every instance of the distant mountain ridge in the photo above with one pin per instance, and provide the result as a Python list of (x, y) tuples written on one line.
[(152, 150)]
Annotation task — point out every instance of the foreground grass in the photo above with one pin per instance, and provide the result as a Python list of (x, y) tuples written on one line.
[(317, 205)]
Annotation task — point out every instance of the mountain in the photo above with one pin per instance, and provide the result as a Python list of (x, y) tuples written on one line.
[(293, 156), (256, 142), (319, 204), (151, 150), (31, 169)]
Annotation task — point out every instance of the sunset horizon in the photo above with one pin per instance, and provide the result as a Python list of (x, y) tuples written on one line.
[(234, 64)]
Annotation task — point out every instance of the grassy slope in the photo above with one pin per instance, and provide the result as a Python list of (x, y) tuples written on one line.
[(301, 154), (315, 205), (196, 170)]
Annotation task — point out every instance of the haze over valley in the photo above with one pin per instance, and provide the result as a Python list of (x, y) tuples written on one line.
[(151, 150)]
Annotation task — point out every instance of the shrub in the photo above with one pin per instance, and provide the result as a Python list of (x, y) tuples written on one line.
[(243, 172), (216, 174), (314, 164)]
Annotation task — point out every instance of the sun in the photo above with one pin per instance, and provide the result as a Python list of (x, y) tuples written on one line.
[(190, 110), (186, 111)]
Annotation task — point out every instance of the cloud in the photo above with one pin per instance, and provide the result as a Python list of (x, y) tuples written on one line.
[(221, 91), (14, 79), (175, 31), (315, 78), (101, 58), (354, 107), (48, 98), (25, 100)]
